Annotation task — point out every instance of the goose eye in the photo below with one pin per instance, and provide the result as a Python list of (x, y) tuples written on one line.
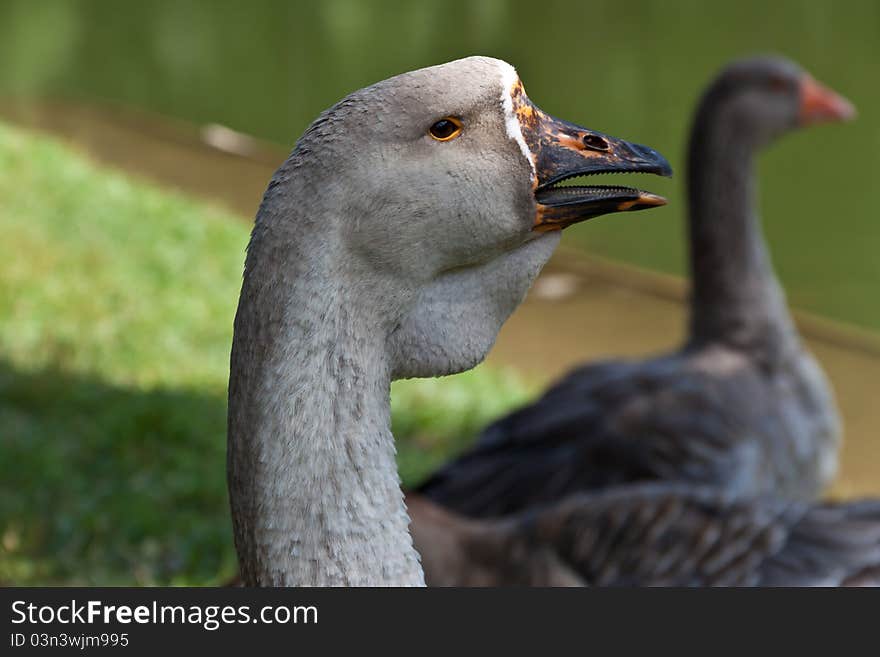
[(778, 84), (446, 129)]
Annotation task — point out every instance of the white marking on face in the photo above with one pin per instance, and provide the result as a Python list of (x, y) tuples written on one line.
[(508, 79)]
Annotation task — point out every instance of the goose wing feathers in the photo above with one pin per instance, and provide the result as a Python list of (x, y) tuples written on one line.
[(657, 535), (612, 423)]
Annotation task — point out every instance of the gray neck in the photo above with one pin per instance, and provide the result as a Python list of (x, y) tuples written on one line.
[(736, 298), (313, 482)]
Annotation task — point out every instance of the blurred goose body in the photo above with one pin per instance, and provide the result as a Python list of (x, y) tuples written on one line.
[(402, 231), (653, 535), (742, 405)]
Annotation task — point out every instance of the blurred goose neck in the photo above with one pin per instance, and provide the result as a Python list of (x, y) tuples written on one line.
[(736, 297)]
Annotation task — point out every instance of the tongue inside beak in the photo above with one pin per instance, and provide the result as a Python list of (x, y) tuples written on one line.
[(560, 207)]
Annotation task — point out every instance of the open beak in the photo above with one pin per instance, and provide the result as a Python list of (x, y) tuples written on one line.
[(561, 150), (819, 104)]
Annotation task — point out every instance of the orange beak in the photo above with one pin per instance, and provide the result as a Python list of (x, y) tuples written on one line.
[(819, 104)]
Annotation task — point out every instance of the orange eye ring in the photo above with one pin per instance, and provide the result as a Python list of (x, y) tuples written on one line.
[(449, 127)]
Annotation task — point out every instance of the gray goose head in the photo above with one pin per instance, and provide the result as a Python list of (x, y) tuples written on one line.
[(443, 184)]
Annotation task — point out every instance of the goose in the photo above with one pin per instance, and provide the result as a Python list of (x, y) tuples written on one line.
[(404, 228), (741, 405)]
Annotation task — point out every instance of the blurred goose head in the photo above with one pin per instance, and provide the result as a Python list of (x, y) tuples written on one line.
[(762, 98)]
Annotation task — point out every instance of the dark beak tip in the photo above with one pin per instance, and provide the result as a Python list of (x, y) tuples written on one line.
[(663, 167), (665, 170), (658, 164)]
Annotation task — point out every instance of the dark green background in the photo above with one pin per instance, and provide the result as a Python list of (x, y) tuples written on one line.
[(630, 68)]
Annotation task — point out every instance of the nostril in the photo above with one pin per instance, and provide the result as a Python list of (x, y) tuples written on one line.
[(595, 142)]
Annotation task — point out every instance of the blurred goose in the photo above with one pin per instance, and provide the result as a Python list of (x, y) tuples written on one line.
[(399, 235), (742, 404), (656, 534)]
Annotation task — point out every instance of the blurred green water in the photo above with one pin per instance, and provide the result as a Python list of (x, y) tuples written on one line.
[(630, 68)]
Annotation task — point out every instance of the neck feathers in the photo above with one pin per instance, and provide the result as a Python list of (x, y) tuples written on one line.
[(736, 298), (313, 482)]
